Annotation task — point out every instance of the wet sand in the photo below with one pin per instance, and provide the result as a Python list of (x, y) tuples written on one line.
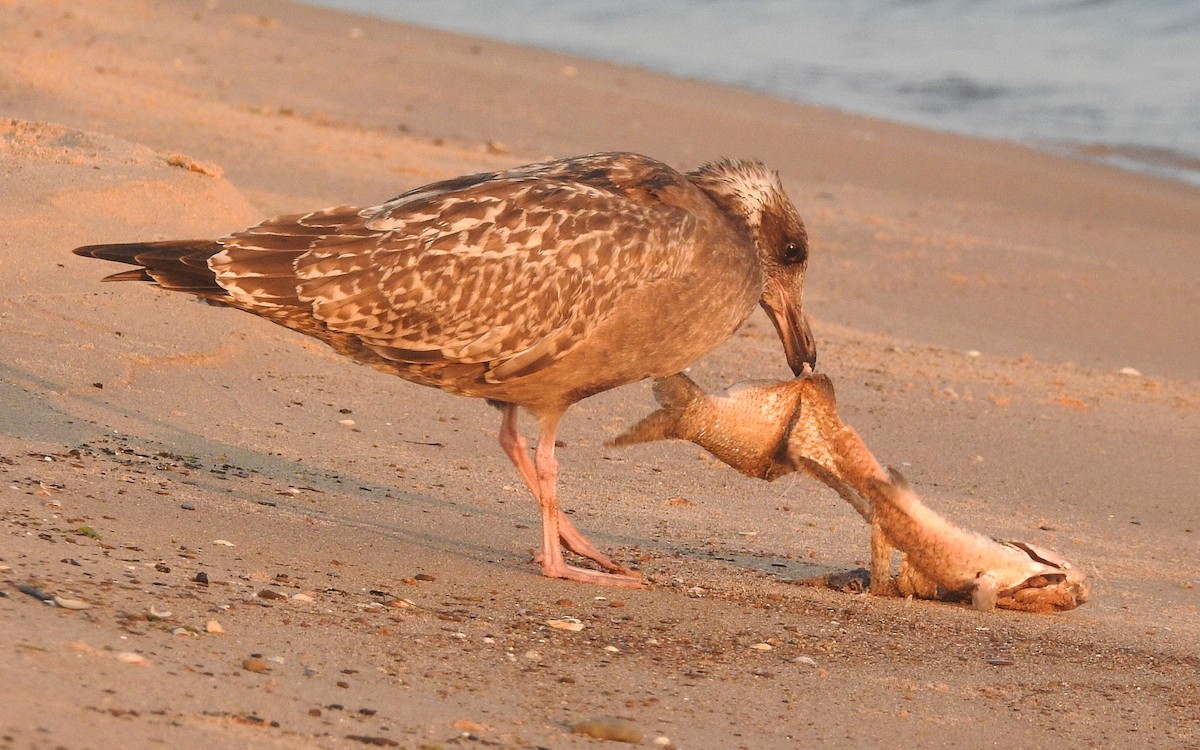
[(975, 302)]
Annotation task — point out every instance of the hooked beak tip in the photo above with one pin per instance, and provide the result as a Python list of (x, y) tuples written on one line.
[(795, 332), (799, 345)]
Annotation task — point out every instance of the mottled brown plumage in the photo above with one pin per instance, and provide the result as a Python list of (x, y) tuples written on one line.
[(533, 287)]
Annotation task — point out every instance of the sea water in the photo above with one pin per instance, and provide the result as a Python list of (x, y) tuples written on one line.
[(1112, 80)]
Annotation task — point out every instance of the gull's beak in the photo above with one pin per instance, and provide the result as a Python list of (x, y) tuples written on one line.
[(792, 326)]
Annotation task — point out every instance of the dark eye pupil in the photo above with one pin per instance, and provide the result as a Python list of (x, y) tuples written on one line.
[(793, 253)]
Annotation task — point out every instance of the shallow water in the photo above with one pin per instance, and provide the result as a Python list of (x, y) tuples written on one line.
[(1111, 80)]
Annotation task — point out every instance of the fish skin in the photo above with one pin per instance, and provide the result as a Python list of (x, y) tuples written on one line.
[(743, 429), (762, 429), (767, 430), (962, 563)]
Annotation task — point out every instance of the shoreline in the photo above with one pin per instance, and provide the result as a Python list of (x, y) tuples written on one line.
[(1152, 160)]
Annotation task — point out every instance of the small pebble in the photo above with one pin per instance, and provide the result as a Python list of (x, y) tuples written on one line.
[(255, 664), (188, 506), (201, 578), (566, 623), (271, 594), (762, 647), (1000, 662), (301, 598), (214, 627), (346, 422), (466, 725), (223, 543), (71, 603), (1131, 372), (808, 661), (610, 728), (128, 657)]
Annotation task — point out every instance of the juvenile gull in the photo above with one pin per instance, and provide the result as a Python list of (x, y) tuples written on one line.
[(534, 287)]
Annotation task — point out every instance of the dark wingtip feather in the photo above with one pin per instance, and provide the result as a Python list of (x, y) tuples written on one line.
[(106, 252), (178, 265), (135, 274), (129, 252)]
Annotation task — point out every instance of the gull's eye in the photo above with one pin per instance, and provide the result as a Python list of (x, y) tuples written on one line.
[(794, 252)]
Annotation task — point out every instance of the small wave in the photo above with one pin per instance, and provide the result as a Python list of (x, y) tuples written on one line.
[(1157, 161)]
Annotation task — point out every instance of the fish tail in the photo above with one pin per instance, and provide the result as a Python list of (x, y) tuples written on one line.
[(661, 425), (674, 394)]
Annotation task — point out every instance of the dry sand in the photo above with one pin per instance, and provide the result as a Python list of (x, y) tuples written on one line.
[(146, 438)]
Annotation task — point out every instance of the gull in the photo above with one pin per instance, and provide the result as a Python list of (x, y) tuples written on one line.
[(532, 288)]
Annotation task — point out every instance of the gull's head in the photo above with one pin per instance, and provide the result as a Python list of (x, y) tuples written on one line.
[(753, 194)]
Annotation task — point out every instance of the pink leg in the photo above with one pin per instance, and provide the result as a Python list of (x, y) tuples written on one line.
[(575, 541), (516, 448), (541, 476)]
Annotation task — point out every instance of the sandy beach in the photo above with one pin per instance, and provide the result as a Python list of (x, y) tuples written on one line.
[(270, 546)]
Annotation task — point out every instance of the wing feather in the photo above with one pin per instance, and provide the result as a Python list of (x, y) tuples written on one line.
[(510, 270)]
